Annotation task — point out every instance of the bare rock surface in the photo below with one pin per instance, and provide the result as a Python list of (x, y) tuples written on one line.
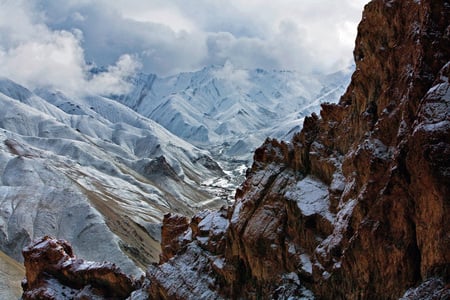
[(11, 274), (54, 272), (355, 206)]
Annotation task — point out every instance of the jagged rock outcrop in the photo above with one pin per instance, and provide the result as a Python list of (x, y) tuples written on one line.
[(53, 272), (355, 206)]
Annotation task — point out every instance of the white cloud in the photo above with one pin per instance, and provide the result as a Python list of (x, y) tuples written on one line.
[(308, 35), (49, 42), (52, 58), (236, 76), (37, 56), (112, 81)]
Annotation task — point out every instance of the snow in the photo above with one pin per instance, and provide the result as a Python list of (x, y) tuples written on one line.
[(338, 182), (311, 196), (377, 148), (290, 286), (181, 277), (236, 212), (291, 248), (340, 224), (219, 263), (187, 236), (306, 263), (439, 126), (435, 110), (213, 222), (292, 276), (431, 288), (76, 167)]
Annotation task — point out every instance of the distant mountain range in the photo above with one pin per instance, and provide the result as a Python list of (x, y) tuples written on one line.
[(233, 110)]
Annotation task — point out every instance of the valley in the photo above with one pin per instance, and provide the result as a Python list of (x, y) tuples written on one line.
[(101, 171)]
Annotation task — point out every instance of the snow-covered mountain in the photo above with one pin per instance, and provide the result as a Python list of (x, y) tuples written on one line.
[(229, 110), (95, 172)]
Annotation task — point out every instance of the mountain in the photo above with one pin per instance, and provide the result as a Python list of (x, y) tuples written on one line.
[(355, 206), (96, 173), (231, 110), (100, 174)]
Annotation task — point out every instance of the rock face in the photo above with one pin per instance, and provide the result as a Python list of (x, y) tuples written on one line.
[(53, 272), (355, 206)]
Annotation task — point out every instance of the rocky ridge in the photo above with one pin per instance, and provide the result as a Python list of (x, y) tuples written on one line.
[(355, 206)]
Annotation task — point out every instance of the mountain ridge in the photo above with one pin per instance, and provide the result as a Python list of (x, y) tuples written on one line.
[(226, 105), (354, 207), (78, 167), (60, 154)]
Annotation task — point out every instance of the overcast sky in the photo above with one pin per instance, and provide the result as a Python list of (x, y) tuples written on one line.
[(54, 42)]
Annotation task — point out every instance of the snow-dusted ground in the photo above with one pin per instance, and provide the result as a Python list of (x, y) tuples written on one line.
[(11, 274), (311, 196)]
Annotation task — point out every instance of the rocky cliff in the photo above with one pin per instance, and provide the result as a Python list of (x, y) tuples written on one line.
[(356, 206)]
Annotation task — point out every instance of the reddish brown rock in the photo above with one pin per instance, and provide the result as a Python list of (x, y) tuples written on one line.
[(173, 226), (53, 272), (382, 157), (428, 161)]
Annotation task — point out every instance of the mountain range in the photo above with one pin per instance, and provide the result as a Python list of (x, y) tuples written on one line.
[(102, 170), (233, 109), (354, 206)]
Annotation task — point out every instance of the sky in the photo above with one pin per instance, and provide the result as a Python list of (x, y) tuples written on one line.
[(53, 43)]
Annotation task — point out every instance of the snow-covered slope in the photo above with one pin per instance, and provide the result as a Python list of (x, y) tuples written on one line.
[(233, 110), (95, 172), (102, 174)]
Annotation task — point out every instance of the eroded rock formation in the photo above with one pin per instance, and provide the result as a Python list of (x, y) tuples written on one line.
[(53, 272), (356, 206)]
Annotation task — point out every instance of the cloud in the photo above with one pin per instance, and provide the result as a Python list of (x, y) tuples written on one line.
[(56, 42), (307, 35), (238, 77), (112, 80), (37, 56), (55, 58)]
